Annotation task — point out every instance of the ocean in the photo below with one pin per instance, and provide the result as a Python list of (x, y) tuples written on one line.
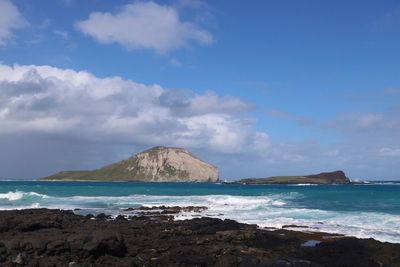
[(364, 211)]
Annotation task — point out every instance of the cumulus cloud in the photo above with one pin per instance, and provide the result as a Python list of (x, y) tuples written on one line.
[(10, 19), (60, 119), (44, 99), (66, 119), (144, 25)]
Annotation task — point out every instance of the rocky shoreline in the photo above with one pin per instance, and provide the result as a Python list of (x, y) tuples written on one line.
[(43, 237)]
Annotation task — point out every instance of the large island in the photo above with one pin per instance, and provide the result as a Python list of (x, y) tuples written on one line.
[(157, 164)]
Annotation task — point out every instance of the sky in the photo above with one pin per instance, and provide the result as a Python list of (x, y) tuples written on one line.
[(257, 88)]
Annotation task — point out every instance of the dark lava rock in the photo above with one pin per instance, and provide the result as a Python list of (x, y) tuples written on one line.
[(105, 243), (102, 216), (41, 237), (120, 217), (169, 209)]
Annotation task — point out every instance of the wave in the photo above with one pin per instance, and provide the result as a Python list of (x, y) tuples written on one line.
[(386, 183), (272, 210), (18, 195), (303, 185)]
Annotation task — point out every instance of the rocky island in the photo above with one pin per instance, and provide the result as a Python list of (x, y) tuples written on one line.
[(336, 177), (157, 164)]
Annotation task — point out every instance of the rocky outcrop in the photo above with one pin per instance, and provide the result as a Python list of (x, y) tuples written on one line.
[(158, 164), (61, 238), (336, 177)]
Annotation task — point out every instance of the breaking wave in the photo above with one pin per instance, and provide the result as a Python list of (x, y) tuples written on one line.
[(272, 211), (18, 195)]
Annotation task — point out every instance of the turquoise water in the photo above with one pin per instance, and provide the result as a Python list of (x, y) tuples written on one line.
[(370, 210)]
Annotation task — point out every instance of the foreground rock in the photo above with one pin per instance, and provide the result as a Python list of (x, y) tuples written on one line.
[(336, 177), (164, 210), (60, 238), (158, 164)]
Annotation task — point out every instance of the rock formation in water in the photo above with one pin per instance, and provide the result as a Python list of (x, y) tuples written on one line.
[(336, 177), (158, 164)]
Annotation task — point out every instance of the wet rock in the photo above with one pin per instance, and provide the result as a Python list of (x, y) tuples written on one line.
[(120, 217), (304, 263), (161, 241), (293, 226), (194, 209), (20, 259), (281, 263), (310, 243), (102, 216), (166, 209)]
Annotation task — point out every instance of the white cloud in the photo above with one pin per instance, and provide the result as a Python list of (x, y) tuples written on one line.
[(10, 19), (67, 108), (44, 99), (144, 25), (389, 152), (75, 111), (210, 102), (371, 123)]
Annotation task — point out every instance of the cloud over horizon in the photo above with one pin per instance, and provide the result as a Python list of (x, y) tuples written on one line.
[(44, 106), (10, 19), (44, 99), (144, 25)]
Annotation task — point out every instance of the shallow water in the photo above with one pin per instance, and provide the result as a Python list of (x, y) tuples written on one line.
[(370, 210)]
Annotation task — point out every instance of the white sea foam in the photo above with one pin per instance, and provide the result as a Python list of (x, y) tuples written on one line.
[(17, 195), (273, 210), (303, 185), (385, 183), (21, 207), (12, 196)]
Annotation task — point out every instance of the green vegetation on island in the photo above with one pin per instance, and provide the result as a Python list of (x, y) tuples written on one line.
[(336, 177)]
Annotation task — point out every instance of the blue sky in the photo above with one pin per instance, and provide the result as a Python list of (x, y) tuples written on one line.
[(259, 89)]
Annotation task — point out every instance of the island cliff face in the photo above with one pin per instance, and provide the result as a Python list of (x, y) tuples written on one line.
[(158, 164), (336, 177)]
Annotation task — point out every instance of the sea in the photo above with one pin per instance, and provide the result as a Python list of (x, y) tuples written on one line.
[(368, 210)]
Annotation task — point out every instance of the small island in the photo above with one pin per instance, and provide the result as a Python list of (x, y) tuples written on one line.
[(336, 177)]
